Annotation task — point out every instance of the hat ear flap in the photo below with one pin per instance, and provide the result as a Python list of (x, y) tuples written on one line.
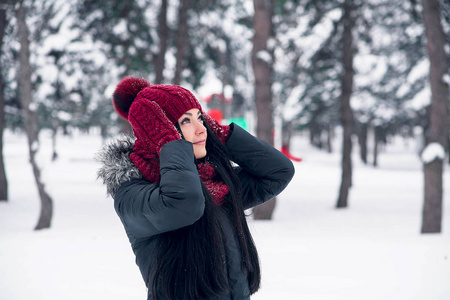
[(125, 93)]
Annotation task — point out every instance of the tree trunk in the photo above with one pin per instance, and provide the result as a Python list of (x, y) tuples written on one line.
[(346, 111), (3, 179), (432, 208), (29, 108), (262, 69), (330, 138), (376, 140), (54, 135), (312, 134), (287, 130), (362, 139), (182, 39), (223, 74), (163, 33), (438, 133), (448, 144)]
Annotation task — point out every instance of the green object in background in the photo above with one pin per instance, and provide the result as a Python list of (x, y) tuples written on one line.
[(242, 122)]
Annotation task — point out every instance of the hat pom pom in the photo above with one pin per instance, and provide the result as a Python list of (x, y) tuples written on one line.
[(125, 93)]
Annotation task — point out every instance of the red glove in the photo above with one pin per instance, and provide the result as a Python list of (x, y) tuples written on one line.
[(153, 130), (221, 131)]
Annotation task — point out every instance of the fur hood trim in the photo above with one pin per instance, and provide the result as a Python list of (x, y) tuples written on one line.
[(116, 166)]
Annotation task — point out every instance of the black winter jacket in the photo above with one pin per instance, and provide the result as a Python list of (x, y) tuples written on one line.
[(147, 209)]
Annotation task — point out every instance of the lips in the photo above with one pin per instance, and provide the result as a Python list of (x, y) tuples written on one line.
[(201, 142)]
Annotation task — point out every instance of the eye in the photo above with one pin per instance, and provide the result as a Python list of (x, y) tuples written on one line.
[(201, 118), (185, 121)]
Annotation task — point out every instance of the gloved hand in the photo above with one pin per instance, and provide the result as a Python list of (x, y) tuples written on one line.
[(153, 130), (221, 131)]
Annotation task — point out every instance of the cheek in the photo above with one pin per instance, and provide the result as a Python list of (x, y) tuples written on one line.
[(187, 134)]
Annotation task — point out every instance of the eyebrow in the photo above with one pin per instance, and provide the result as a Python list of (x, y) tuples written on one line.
[(190, 114)]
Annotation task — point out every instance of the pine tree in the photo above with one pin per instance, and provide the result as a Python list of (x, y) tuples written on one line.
[(262, 62), (439, 111), (31, 122), (163, 35), (125, 30), (3, 178), (346, 110)]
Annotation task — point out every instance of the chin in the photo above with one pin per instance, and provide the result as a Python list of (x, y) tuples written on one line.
[(200, 154)]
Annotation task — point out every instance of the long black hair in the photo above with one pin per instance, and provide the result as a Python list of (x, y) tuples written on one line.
[(190, 261)]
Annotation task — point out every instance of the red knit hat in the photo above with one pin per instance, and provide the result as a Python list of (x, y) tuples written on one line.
[(174, 100), (150, 109)]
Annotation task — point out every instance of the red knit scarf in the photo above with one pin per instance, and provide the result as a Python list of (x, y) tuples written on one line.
[(217, 189)]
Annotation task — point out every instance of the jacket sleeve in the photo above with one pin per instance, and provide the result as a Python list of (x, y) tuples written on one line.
[(147, 209), (263, 171)]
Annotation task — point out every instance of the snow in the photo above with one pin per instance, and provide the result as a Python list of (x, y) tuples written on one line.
[(211, 85), (32, 106), (419, 71), (371, 250), (421, 99), (64, 116), (369, 68), (121, 28), (292, 107), (271, 43), (446, 78), (433, 151), (265, 56), (35, 146), (314, 40)]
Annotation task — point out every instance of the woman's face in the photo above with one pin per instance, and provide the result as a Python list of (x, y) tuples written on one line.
[(191, 124)]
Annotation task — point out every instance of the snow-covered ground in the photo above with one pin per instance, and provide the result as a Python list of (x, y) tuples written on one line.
[(371, 250)]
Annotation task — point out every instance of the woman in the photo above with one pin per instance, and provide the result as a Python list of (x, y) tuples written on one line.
[(179, 198)]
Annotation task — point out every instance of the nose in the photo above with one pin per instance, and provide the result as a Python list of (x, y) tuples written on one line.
[(200, 128)]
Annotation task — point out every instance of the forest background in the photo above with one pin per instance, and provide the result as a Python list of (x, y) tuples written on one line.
[(373, 69)]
